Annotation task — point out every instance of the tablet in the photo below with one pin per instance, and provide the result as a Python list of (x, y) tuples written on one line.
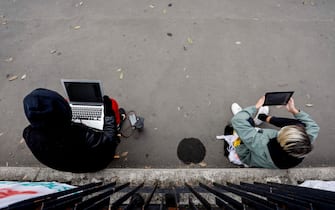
[(277, 98)]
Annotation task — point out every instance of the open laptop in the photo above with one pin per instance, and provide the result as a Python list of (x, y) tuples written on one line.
[(86, 101)]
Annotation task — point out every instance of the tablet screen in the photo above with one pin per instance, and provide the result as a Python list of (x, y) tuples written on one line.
[(277, 98)]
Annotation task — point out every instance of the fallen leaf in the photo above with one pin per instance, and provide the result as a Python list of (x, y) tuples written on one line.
[(10, 59), (22, 141), (13, 78), (81, 3), (180, 108), (152, 6), (309, 105), (203, 164), (25, 177), (76, 27), (118, 70), (116, 156), (124, 154), (189, 40), (121, 75), (24, 76), (238, 42), (164, 11), (53, 51)]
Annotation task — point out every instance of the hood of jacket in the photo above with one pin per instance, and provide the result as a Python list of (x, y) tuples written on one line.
[(47, 109)]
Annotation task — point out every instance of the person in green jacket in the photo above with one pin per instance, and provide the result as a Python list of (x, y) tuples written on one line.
[(270, 148)]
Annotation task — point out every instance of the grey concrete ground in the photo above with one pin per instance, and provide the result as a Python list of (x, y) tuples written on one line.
[(183, 65)]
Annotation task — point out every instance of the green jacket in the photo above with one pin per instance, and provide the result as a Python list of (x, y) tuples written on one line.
[(254, 151)]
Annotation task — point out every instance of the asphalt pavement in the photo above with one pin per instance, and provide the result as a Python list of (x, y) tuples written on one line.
[(178, 64)]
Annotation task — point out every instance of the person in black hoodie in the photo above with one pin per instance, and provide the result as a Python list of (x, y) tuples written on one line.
[(61, 144)]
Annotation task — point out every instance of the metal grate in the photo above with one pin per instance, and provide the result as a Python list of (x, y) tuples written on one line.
[(215, 196)]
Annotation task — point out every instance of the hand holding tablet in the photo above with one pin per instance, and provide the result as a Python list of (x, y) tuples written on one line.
[(277, 98)]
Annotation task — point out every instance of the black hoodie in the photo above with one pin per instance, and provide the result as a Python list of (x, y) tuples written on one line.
[(61, 144)]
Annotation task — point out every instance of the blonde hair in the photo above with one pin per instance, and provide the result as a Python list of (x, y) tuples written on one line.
[(294, 140)]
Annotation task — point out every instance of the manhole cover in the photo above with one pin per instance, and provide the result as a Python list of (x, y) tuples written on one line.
[(191, 150)]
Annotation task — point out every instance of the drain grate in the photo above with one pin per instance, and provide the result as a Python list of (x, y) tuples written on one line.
[(191, 150)]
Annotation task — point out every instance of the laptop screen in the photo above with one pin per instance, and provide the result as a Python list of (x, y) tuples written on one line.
[(83, 92)]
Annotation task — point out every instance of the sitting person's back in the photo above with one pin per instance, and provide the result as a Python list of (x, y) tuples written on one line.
[(61, 144)]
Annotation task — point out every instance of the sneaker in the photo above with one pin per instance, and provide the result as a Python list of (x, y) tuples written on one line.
[(122, 114), (123, 117), (262, 110), (235, 108)]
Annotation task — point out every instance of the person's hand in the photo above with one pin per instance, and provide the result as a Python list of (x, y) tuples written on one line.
[(260, 102), (291, 107), (108, 106)]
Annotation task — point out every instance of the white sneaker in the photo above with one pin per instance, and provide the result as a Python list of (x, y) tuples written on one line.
[(235, 108), (262, 110)]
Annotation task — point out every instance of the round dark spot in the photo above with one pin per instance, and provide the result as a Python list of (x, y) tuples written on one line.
[(169, 34), (59, 53), (170, 5), (191, 150), (146, 155)]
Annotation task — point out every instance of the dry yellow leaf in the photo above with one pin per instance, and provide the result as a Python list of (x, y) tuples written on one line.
[(124, 154), (203, 164), (121, 75), (189, 40), (76, 27), (116, 156), (13, 78), (164, 11), (309, 105)]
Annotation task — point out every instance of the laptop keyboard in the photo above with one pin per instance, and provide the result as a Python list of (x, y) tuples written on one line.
[(86, 113)]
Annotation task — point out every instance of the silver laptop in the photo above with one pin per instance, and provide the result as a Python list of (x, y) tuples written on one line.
[(86, 101)]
